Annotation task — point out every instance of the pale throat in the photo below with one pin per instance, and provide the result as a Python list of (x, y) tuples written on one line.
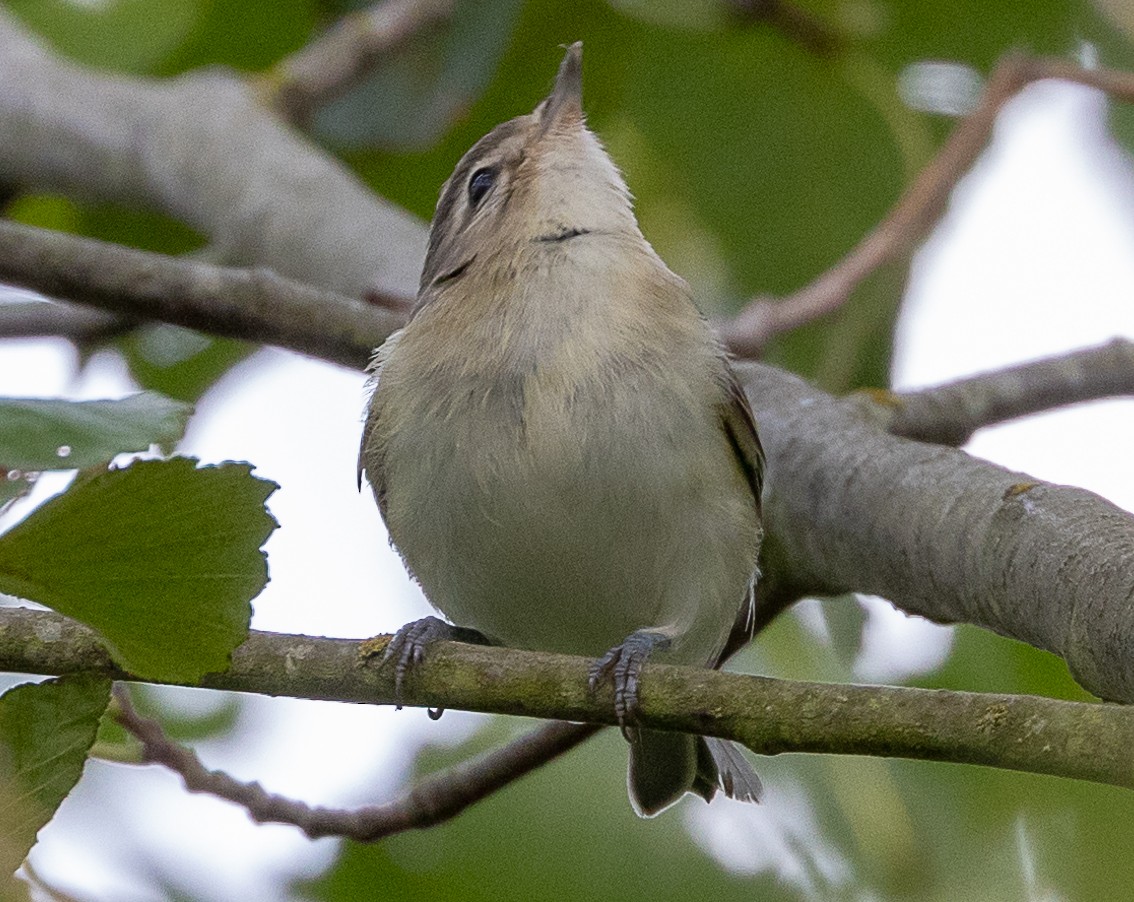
[(576, 190)]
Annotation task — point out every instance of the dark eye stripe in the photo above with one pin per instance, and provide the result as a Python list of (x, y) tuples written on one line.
[(480, 184)]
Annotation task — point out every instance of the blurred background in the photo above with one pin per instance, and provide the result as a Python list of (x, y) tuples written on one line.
[(759, 153)]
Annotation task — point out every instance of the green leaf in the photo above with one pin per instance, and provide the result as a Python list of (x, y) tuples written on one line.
[(981, 661), (184, 722), (179, 362), (161, 557), (115, 743), (757, 165), (38, 434), (47, 211), (45, 732)]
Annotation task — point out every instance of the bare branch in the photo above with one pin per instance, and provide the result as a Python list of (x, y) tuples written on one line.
[(943, 534), (331, 65), (437, 799), (202, 148), (916, 212), (768, 716), (949, 414), (250, 304)]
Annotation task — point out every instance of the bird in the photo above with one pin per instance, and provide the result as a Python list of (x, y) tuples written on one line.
[(558, 444)]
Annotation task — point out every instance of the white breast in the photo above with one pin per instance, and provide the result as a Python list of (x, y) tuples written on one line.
[(574, 485)]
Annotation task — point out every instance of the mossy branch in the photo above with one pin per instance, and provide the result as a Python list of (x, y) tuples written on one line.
[(1080, 740)]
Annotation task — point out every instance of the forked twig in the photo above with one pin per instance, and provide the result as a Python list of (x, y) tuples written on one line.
[(916, 212)]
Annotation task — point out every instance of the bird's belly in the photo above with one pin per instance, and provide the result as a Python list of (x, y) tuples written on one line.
[(573, 541), (576, 577)]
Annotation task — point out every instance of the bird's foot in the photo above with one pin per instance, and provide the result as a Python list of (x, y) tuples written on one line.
[(407, 649), (622, 665)]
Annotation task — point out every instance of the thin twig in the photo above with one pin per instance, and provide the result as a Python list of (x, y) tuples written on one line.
[(916, 212), (331, 65), (438, 798), (949, 414)]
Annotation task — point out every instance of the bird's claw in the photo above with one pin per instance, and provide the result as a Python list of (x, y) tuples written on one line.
[(622, 665), (407, 649)]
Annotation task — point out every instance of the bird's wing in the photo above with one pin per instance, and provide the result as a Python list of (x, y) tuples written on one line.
[(371, 462), (740, 427)]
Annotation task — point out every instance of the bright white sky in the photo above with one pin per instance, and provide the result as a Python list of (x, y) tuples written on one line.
[(1036, 256)]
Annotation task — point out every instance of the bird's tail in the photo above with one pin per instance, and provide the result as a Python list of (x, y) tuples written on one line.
[(664, 766)]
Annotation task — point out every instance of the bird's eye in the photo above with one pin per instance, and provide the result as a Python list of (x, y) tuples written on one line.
[(480, 184)]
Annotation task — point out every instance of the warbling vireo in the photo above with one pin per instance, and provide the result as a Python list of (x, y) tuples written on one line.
[(556, 441)]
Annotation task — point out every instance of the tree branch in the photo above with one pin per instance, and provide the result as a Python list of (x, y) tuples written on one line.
[(1070, 739), (249, 304), (949, 414), (942, 534), (203, 149), (916, 212), (330, 66)]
